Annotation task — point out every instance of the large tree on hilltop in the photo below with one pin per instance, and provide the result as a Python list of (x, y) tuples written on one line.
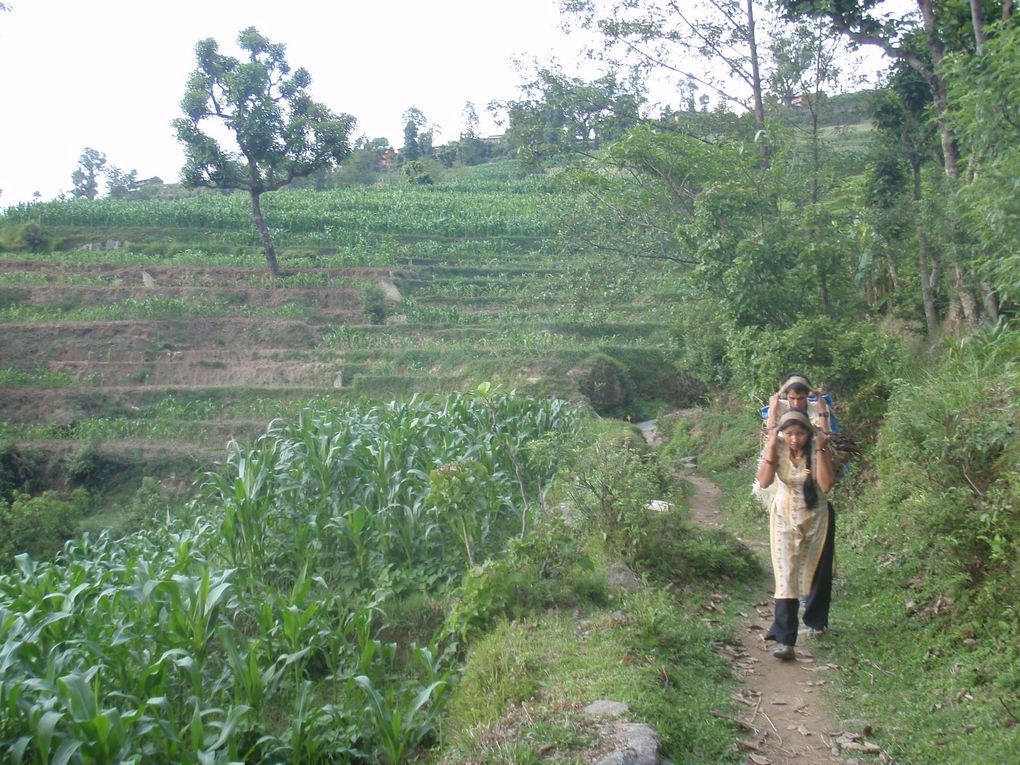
[(91, 164), (561, 114), (279, 131)]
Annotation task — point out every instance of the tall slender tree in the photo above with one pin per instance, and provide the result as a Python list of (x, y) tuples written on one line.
[(279, 132), (862, 23), (681, 38)]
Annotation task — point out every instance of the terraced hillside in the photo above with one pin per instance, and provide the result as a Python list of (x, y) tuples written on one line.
[(153, 347)]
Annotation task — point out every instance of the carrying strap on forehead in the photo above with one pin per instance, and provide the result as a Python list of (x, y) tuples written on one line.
[(798, 416), (794, 381)]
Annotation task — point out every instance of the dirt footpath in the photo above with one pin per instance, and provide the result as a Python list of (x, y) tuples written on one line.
[(786, 716)]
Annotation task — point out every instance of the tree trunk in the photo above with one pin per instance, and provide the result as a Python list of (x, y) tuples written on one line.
[(938, 88), (823, 293), (968, 303), (816, 190), (962, 292), (894, 272), (267, 241), (931, 318), (752, 45), (977, 18), (989, 301), (1007, 10)]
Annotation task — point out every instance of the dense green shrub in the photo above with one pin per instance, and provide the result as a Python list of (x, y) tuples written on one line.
[(549, 568), (681, 553), (947, 461), (38, 525), (613, 482), (857, 362), (374, 300), (33, 237), (88, 466), (20, 470)]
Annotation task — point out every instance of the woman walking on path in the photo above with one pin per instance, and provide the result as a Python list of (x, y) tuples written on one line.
[(796, 392), (798, 456)]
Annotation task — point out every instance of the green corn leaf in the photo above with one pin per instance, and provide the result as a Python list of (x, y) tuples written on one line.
[(79, 697), (67, 749)]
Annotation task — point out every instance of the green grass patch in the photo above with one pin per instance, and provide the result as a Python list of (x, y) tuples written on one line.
[(152, 307), (39, 378), (524, 683)]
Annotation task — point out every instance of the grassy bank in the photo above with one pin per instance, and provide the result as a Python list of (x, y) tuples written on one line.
[(563, 639)]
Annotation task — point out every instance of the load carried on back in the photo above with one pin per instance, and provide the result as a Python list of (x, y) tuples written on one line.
[(796, 392)]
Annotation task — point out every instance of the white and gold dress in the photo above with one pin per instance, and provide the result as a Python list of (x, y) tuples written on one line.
[(797, 532)]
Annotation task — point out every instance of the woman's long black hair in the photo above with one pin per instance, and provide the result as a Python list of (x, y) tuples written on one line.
[(810, 488)]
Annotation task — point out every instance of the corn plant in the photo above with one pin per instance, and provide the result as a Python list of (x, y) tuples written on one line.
[(235, 631), (400, 719)]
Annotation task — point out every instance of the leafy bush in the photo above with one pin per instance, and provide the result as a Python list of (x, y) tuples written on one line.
[(20, 470), (947, 462), (930, 584), (613, 482), (858, 363), (374, 300), (549, 568), (88, 466), (33, 237), (38, 525), (682, 553)]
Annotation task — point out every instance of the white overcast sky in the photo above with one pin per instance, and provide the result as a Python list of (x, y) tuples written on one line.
[(109, 74)]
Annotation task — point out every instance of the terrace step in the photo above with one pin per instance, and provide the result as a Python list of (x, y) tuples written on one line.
[(57, 272), (21, 341), (66, 297), (173, 371), (63, 406)]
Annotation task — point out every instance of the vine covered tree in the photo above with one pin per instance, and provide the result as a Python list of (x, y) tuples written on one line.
[(280, 133), (91, 164), (121, 183)]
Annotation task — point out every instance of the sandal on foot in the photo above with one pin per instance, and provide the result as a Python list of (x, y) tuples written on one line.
[(784, 652)]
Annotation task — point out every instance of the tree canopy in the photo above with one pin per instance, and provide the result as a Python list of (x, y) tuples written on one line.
[(280, 132), (85, 178)]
